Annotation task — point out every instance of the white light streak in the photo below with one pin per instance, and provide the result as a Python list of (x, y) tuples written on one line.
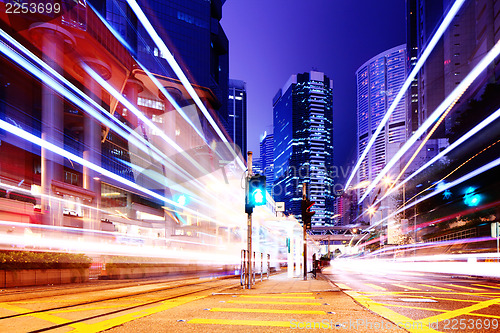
[(60, 151), (180, 74), (450, 99), (423, 57), (457, 143), (462, 179), (121, 129)]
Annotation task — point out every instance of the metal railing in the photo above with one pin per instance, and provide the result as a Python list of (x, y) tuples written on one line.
[(244, 264), (468, 233)]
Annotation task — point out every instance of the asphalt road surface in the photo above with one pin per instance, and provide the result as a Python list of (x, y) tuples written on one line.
[(423, 302)]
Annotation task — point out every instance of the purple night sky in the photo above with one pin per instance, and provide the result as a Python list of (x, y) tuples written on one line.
[(269, 40)]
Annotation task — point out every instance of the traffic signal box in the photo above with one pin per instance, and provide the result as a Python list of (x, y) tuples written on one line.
[(306, 205), (256, 194)]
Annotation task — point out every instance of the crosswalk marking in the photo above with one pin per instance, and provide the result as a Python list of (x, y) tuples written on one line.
[(272, 302), (374, 286), (268, 311), (440, 288), (410, 307), (465, 287), (241, 322), (404, 287), (343, 286), (276, 296), (487, 286)]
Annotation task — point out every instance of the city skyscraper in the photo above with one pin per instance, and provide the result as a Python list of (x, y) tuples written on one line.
[(472, 33), (303, 148), (378, 82), (267, 159), (237, 114), (192, 31)]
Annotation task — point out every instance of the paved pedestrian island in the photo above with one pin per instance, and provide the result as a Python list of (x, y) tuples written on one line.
[(280, 304)]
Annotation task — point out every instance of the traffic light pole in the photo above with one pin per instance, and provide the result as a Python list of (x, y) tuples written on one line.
[(248, 276), (304, 228)]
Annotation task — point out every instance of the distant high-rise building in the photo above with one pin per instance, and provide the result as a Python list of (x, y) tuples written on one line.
[(237, 114), (303, 148), (267, 159), (257, 166), (378, 82)]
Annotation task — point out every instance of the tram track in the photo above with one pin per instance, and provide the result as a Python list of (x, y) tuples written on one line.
[(217, 287), (34, 292), (120, 297)]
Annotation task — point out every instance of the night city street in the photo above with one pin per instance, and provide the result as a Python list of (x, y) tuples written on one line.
[(249, 166)]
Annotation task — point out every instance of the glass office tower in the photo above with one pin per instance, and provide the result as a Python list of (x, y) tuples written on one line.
[(303, 148)]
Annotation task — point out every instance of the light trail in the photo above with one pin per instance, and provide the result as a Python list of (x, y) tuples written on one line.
[(491, 118), (122, 130), (180, 74), (64, 92), (148, 73), (131, 107), (462, 179), (447, 264), (96, 247), (60, 151), (449, 100), (422, 144), (454, 170), (420, 62), (172, 101)]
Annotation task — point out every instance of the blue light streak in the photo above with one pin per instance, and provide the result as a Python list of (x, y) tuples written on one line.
[(180, 74)]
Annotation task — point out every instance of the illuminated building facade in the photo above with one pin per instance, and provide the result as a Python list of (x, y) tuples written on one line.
[(378, 82), (191, 30), (267, 159), (474, 31), (303, 148), (237, 114), (93, 144)]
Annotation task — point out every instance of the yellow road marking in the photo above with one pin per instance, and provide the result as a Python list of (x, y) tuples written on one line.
[(271, 302), (42, 315), (483, 315), (463, 311), (267, 311), (241, 322), (374, 286), (404, 287), (440, 288), (110, 323), (343, 286), (465, 287), (293, 294), (448, 299), (487, 286), (275, 296), (383, 293), (407, 323), (14, 308), (410, 307)]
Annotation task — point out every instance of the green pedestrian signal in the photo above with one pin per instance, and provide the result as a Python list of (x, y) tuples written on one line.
[(256, 191)]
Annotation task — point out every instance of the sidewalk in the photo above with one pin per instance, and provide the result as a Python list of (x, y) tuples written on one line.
[(280, 304)]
